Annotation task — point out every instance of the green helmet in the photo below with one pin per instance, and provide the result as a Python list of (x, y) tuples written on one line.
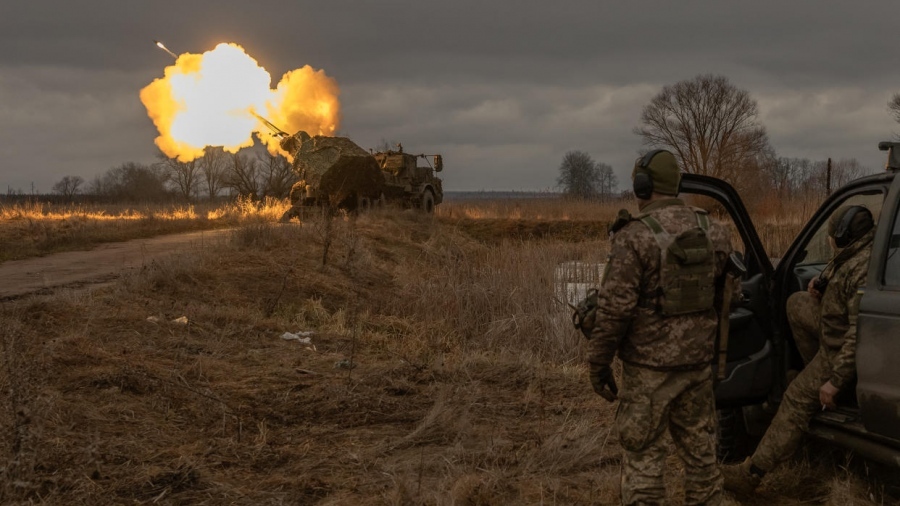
[(848, 223), (661, 168)]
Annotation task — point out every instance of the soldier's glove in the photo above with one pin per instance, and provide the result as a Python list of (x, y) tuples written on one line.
[(584, 314), (603, 382)]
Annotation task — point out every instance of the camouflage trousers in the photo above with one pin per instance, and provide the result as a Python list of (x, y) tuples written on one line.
[(799, 404), (652, 401), (804, 316)]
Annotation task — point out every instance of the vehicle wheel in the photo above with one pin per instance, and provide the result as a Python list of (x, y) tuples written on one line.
[(428, 202)]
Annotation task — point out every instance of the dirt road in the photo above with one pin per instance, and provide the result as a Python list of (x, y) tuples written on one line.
[(94, 267)]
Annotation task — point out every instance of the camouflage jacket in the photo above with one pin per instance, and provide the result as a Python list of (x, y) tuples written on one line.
[(626, 323), (846, 274)]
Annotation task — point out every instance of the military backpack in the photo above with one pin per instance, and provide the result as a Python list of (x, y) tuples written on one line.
[(687, 270)]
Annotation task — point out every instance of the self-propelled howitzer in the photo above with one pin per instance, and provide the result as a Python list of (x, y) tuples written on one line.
[(336, 172)]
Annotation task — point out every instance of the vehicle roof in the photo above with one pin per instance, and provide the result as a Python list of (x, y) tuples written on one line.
[(879, 176)]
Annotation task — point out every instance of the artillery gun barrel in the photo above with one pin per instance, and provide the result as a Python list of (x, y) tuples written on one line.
[(275, 130)]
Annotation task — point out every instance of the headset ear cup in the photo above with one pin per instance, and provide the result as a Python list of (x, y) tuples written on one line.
[(842, 233), (839, 241), (642, 185)]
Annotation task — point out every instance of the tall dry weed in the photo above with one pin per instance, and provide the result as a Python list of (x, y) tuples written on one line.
[(502, 298)]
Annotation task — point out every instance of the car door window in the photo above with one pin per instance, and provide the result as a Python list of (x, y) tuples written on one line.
[(817, 250), (892, 264)]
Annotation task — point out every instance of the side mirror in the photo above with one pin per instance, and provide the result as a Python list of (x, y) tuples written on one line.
[(438, 163)]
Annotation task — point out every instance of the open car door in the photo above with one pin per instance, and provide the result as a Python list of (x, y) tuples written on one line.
[(752, 363)]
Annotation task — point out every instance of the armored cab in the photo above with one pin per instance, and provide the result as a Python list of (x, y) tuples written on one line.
[(407, 182)]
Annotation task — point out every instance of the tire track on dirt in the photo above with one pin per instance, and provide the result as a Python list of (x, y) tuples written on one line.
[(107, 262)]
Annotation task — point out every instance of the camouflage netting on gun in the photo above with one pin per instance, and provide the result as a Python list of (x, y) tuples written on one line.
[(335, 165)]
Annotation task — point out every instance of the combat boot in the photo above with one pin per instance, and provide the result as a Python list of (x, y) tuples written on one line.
[(740, 478)]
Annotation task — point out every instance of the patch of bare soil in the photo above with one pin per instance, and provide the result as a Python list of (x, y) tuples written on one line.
[(100, 265)]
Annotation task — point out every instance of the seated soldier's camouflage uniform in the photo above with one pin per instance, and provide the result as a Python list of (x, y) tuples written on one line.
[(803, 309), (834, 361), (667, 381)]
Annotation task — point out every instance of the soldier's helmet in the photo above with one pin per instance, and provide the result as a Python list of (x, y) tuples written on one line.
[(661, 168), (848, 223)]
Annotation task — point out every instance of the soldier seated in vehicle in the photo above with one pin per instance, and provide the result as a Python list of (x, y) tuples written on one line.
[(823, 321)]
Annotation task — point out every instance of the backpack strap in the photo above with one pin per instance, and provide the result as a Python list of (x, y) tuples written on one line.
[(702, 219), (650, 300), (659, 233)]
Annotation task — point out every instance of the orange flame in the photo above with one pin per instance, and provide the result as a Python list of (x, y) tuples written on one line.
[(210, 100)]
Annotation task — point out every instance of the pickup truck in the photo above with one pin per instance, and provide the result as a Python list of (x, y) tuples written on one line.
[(761, 351)]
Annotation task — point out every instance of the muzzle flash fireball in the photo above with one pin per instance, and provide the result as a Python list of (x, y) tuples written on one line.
[(222, 97)]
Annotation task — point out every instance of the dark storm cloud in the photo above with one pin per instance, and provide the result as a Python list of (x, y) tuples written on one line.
[(502, 89)]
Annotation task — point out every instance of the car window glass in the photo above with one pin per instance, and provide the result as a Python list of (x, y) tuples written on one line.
[(892, 265), (817, 250)]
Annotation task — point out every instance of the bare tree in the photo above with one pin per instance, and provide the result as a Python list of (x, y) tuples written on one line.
[(894, 107), (845, 170), (68, 186), (184, 176), (580, 176), (710, 125), (842, 172), (607, 181), (132, 182), (243, 175), (790, 177), (213, 166), (780, 175), (276, 175)]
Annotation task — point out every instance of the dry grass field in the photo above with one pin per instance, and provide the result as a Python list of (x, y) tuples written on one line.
[(441, 369), (36, 229)]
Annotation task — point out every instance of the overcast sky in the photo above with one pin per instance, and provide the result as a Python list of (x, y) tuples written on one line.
[(501, 89)]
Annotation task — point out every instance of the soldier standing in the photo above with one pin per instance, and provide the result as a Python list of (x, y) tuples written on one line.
[(833, 366), (656, 310)]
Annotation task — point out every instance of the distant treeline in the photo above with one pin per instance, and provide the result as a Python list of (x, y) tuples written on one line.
[(248, 174)]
